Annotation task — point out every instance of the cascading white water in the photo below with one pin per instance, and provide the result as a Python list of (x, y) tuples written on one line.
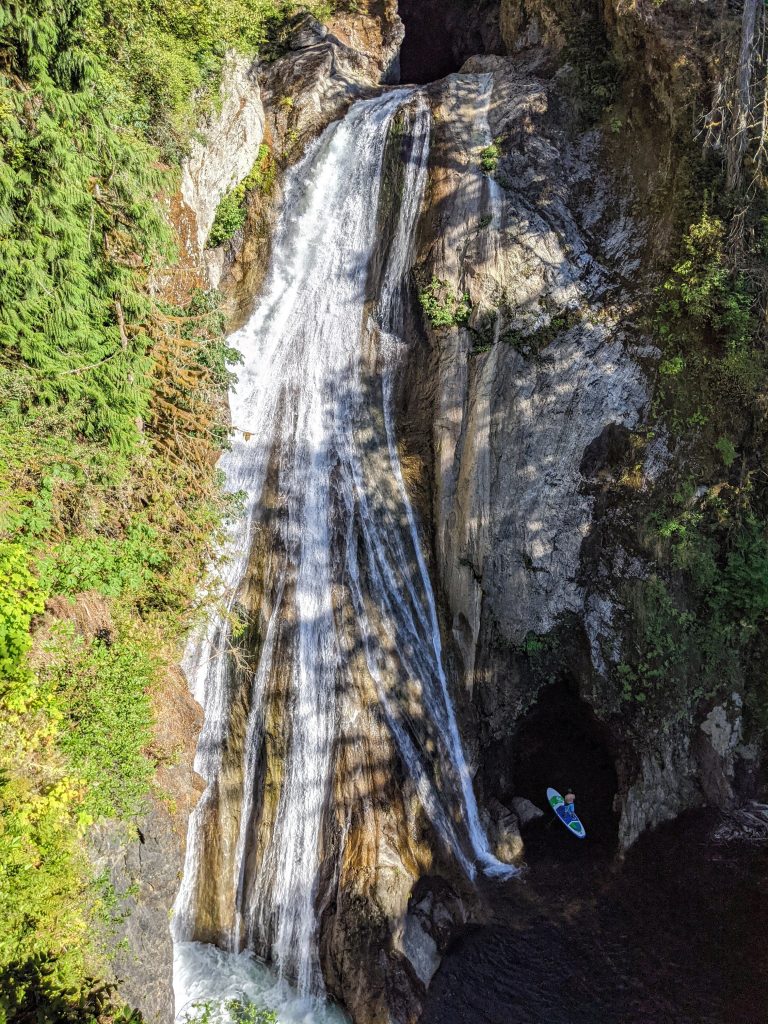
[(308, 403)]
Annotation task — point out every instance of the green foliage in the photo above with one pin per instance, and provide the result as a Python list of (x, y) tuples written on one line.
[(134, 527), (191, 376), (706, 635), (78, 220), (21, 597), (73, 735), (698, 626), (234, 1011), (72, 740), (740, 594), (230, 217), (533, 644), (442, 306), (490, 156), (664, 651), (727, 451), (203, 323), (111, 909), (111, 566), (92, 96), (672, 367), (591, 66), (44, 470), (102, 687), (231, 211), (111, 416), (248, 1013), (712, 369), (703, 295), (32, 991), (706, 631), (167, 56), (41, 906), (532, 342)]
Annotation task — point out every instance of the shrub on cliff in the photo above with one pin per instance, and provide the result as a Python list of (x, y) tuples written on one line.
[(231, 211), (442, 306), (43, 902), (698, 624), (704, 294), (233, 1011)]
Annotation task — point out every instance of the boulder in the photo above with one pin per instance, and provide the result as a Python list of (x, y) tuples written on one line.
[(420, 949), (525, 810), (503, 832), (308, 32)]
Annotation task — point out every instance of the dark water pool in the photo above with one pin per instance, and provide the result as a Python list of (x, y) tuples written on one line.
[(677, 934)]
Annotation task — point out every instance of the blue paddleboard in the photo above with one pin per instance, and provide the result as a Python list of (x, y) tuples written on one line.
[(572, 823)]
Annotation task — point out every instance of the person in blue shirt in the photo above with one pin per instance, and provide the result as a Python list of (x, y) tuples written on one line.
[(570, 804)]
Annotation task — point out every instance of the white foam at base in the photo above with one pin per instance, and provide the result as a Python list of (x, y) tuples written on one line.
[(204, 976)]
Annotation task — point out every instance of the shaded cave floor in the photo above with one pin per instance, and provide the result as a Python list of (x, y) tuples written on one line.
[(674, 935)]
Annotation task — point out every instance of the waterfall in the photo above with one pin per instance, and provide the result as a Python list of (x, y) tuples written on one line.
[(313, 416)]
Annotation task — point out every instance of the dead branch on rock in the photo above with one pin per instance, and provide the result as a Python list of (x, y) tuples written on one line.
[(737, 121)]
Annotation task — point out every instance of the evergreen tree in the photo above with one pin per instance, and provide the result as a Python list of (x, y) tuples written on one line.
[(79, 225)]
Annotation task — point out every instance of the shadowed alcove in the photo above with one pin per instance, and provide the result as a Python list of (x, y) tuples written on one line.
[(560, 743), (441, 34)]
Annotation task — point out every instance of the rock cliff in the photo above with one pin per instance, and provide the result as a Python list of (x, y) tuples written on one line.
[(548, 215), (284, 105), (558, 184)]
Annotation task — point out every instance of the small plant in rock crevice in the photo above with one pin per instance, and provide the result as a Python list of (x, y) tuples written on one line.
[(489, 157), (531, 342), (442, 306), (233, 1011), (232, 210)]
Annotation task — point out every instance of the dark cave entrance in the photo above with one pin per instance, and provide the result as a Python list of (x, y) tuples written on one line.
[(560, 743), (441, 34)]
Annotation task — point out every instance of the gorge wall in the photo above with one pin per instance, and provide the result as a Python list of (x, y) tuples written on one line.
[(562, 175), (541, 245)]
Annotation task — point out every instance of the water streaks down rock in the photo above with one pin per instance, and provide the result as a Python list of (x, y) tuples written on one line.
[(334, 721)]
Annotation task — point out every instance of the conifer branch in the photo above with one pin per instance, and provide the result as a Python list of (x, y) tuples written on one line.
[(91, 366)]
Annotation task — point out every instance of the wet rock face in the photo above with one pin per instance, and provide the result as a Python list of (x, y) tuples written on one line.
[(719, 744), (286, 104), (536, 226), (375, 841), (526, 810), (326, 69), (530, 405), (709, 765), (144, 868), (375, 29), (502, 827)]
